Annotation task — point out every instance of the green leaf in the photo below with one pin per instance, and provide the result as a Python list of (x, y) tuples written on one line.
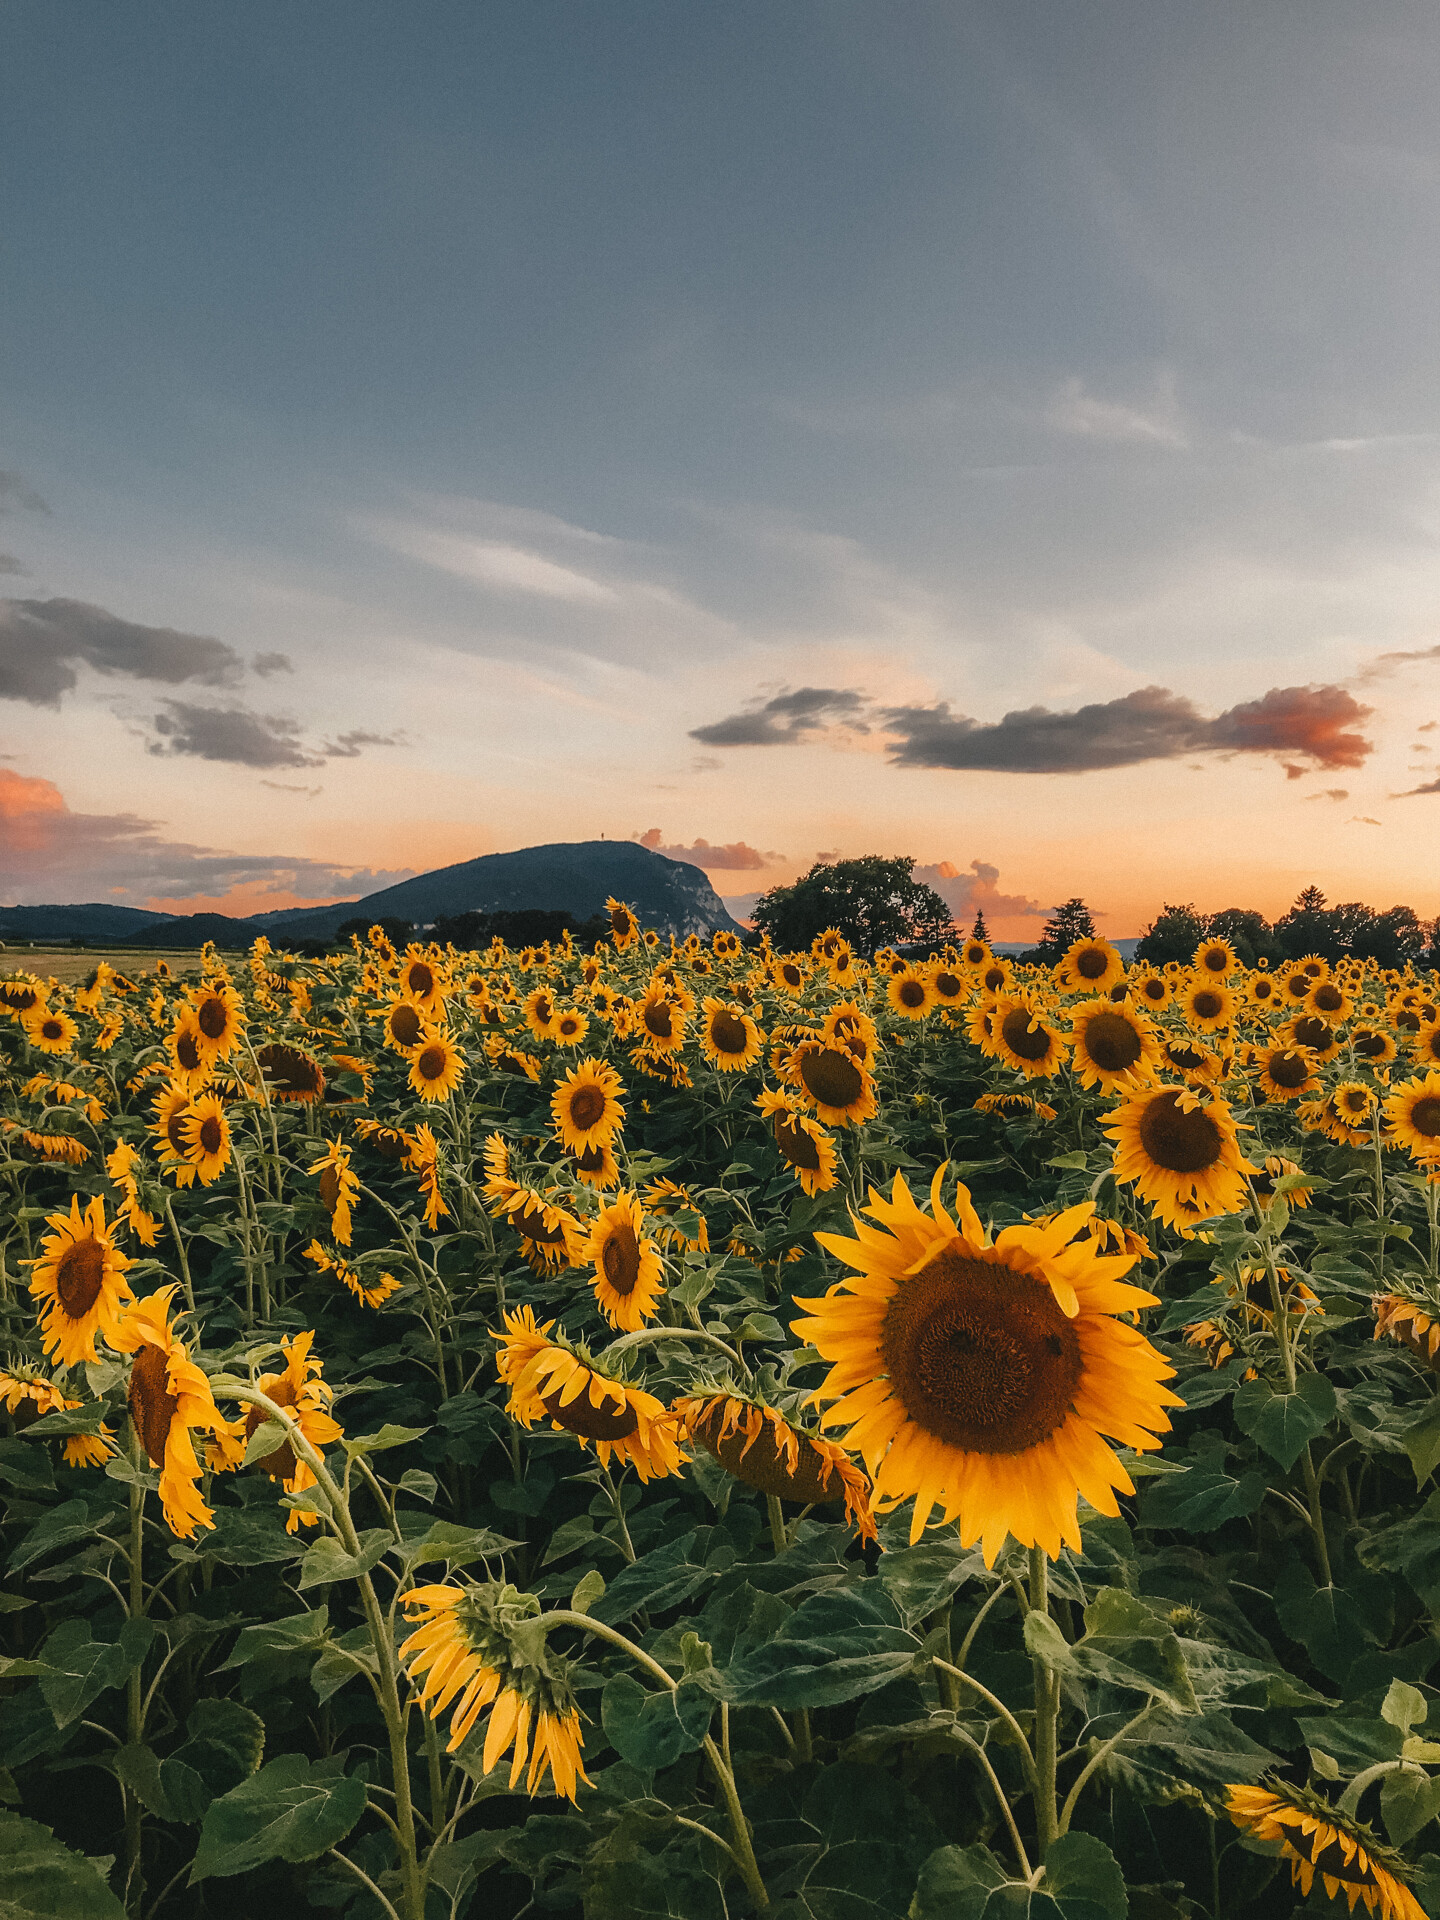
[(299, 1633), (290, 1810), (652, 1730), (834, 1647), (267, 1438), (247, 1537), (326, 1560), (461, 1546), (1333, 1625), (1405, 1706), (1408, 1802), (1083, 1878), (1201, 1499), (589, 1589), (139, 1768), (62, 1526), (381, 1442), (64, 1422), (344, 1659), (419, 1485), (1125, 1644), (921, 1578), (225, 1746), (1283, 1423), (78, 1669), (1422, 1443), (956, 1884), (42, 1880)]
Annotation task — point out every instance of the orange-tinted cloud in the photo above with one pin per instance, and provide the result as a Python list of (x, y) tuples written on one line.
[(736, 857), (977, 891)]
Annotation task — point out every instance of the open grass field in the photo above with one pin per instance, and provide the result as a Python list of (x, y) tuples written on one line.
[(687, 1431)]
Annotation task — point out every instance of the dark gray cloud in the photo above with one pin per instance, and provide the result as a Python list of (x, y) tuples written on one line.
[(265, 664), (10, 563), (232, 734), (16, 494), (787, 718), (44, 642), (1431, 786)]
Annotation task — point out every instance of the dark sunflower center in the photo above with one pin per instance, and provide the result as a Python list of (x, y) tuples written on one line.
[(605, 1422), (658, 1021), (1030, 1042), (1355, 1100), (974, 955), (1112, 1042), (187, 1052), (152, 1405), (727, 1033), (948, 986), (1178, 1141), (792, 976), (280, 1464), (1311, 1031), (173, 1131), (1091, 964), (213, 1018), (831, 1077), (1215, 960), (980, 1355), (532, 1224), (405, 1026), (1425, 1116), (590, 1159), (388, 1144), (1264, 989), (1298, 985), (1431, 1048), (1207, 1005), (911, 993), (212, 1134), (1154, 990), (1289, 1070), (1407, 1019), (290, 1072), (1327, 999), (420, 979), (796, 1145), (79, 1277), (587, 1106), (432, 1063), (621, 1258), (52, 1029), (993, 979)]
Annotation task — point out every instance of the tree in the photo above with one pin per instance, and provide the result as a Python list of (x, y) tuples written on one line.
[(1308, 928), (1065, 926), (1173, 934), (873, 901), (1391, 938), (397, 931), (1248, 932), (980, 931)]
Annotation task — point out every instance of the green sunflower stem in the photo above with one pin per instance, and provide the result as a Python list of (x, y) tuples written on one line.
[(180, 1253), (1047, 1718), (778, 1538), (1432, 1214), (135, 1699)]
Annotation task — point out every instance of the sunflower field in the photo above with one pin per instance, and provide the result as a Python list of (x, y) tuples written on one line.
[(692, 1430)]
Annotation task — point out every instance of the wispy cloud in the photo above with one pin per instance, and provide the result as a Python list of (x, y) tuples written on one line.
[(1156, 423)]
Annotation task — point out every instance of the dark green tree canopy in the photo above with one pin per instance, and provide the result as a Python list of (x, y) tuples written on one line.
[(1390, 938), (873, 901), (980, 931), (1065, 926)]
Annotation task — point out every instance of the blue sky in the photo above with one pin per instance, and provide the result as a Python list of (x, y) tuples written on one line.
[(543, 383)]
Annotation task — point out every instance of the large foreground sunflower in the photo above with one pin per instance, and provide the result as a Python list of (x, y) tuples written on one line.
[(978, 1376), (629, 1279), (550, 1379), (79, 1280), (1180, 1153), (170, 1399), (1318, 1839)]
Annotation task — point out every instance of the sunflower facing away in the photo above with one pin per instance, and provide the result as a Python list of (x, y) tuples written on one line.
[(1410, 1323), (121, 1164), (370, 1293), (586, 1106), (27, 1396), (170, 1399), (757, 1444), (1180, 1153), (978, 1376), (79, 1281), (466, 1649), (291, 1075), (805, 1147), (1319, 1840), (629, 1280), (550, 1379), (306, 1397), (667, 1198)]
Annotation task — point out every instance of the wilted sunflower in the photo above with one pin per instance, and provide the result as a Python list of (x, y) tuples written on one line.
[(389, 1142), (21, 995), (757, 1444), (306, 1398), (506, 1059), (436, 1067), (468, 1649), (978, 1376), (729, 1038), (404, 1027), (804, 1145), (1180, 1154), (50, 1031), (1412, 1114), (219, 1016), (1024, 1039), (665, 1199), (550, 1379), (1207, 1004), (1215, 959), (911, 994), (121, 1164), (170, 1400), (1272, 1168), (206, 1135), (79, 1281), (291, 1075), (1410, 1323), (553, 1238), (1090, 966), (1318, 1839), (629, 1280), (1112, 1046), (339, 1188), (1284, 1073), (370, 1293), (586, 1106), (834, 1081)]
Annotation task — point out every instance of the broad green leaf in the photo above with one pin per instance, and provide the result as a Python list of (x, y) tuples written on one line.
[(292, 1810), (1404, 1706), (923, 1577), (247, 1537), (344, 1659), (1409, 1800), (62, 1526), (1125, 1644), (1201, 1499), (834, 1647), (64, 1422), (589, 1589), (1333, 1625), (78, 1669), (657, 1580), (382, 1441), (1283, 1423), (461, 1546), (652, 1730), (269, 1437), (419, 1485), (1422, 1443), (42, 1880), (327, 1561), (299, 1634), (225, 1745)]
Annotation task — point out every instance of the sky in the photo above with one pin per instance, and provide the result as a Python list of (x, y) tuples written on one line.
[(1001, 434)]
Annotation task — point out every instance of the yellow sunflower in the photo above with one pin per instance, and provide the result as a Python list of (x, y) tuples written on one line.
[(291, 1075), (757, 1444), (623, 925), (370, 1293), (404, 1026), (206, 1134), (629, 1280), (729, 1038), (834, 1081), (1207, 1004), (1188, 1058), (1215, 959), (538, 1008), (1180, 1154), (911, 994), (436, 1067), (1272, 1168), (1373, 1043), (1321, 1842), (21, 995), (550, 1379), (1284, 1073), (423, 982), (423, 1160), (79, 1281), (1090, 966), (659, 1025), (848, 1025), (790, 975), (188, 1063), (1024, 1039), (975, 953), (306, 1398), (121, 1164), (1112, 1045), (804, 1145), (1151, 990), (1410, 1323), (1346, 1113), (950, 988), (552, 1238), (665, 1199), (465, 1646), (1263, 990), (978, 1376), (1310, 1031), (569, 1027), (219, 1016), (586, 1106), (1412, 1114), (596, 1167), (1425, 1045), (170, 1400), (1012, 1106), (1329, 999), (50, 1031), (27, 1397), (339, 1189)]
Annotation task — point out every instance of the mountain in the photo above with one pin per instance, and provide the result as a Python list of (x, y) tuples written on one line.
[(96, 920), (194, 929), (576, 875)]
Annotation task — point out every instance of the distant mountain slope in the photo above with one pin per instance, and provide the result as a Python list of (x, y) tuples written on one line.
[(574, 874), (94, 920)]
